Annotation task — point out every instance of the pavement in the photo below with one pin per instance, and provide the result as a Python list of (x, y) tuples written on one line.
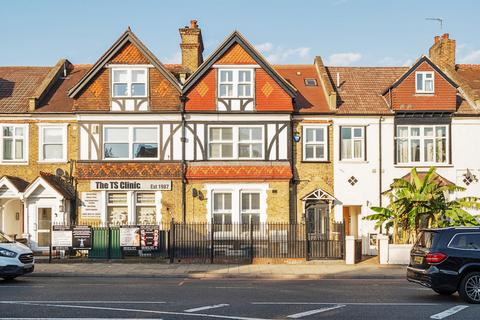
[(238, 299), (307, 270)]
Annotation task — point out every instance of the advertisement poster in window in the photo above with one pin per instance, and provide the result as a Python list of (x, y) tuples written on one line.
[(82, 238), (149, 237), (61, 237), (130, 237)]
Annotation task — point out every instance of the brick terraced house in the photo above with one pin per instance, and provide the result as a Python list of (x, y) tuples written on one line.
[(229, 138)]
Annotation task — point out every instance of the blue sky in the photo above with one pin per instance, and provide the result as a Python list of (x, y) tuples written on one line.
[(343, 32)]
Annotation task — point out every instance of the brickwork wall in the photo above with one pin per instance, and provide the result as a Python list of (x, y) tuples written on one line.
[(203, 94), (312, 175), (31, 171)]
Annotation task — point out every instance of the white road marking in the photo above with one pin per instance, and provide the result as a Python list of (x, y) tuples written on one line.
[(85, 301), (80, 318), (448, 312), (315, 311), (21, 286), (136, 310), (207, 307), (349, 303)]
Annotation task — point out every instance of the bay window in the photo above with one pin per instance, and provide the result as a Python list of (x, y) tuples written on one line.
[(315, 145), (424, 82), (422, 144), (127, 142), (235, 142), (129, 82), (14, 146), (53, 143), (235, 83), (352, 143)]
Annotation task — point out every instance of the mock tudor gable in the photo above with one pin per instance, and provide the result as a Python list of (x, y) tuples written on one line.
[(109, 85), (423, 87), (237, 78)]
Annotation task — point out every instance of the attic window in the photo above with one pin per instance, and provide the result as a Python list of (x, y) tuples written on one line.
[(309, 82), (129, 82), (424, 82)]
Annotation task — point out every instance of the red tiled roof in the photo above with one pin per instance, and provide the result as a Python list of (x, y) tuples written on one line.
[(361, 88), (58, 99), (309, 98), (467, 77), (17, 84)]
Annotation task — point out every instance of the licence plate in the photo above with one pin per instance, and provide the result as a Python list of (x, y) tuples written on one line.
[(27, 265), (418, 259)]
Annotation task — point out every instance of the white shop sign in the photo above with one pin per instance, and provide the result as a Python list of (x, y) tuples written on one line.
[(91, 205), (131, 185)]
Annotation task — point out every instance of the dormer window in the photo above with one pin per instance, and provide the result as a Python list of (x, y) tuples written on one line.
[(235, 83), (424, 82), (129, 82), (310, 82)]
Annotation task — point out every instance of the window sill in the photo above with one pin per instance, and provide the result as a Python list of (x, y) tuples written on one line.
[(353, 161), (6, 163), (52, 161), (424, 94), (421, 165), (315, 161)]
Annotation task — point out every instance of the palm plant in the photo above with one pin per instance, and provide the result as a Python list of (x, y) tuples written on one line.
[(424, 202)]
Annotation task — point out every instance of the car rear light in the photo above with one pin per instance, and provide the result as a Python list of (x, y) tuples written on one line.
[(436, 257)]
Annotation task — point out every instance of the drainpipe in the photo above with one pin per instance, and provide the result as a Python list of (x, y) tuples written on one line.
[(380, 120), (184, 162), (293, 207)]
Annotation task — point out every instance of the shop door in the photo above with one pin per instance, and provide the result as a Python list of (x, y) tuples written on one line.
[(44, 225)]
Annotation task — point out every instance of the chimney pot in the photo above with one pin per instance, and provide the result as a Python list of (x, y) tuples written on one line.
[(193, 24), (436, 39), (445, 36), (191, 46)]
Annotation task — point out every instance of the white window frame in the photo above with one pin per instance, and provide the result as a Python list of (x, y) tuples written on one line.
[(422, 139), (324, 143), (237, 189), (23, 161), (224, 211), (250, 142), (424, 73), (127, 204), (145, 205), (130, 142), (41, 142), (352, 142), (250, 211), (236, 82), (236, 142), (129, 81)]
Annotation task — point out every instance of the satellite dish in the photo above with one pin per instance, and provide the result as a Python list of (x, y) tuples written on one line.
[(59, 172)]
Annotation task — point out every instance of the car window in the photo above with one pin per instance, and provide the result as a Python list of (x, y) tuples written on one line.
[(425, 239), (465, 241)]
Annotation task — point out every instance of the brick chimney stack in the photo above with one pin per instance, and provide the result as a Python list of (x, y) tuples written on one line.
[(191, 46), (442, 52)]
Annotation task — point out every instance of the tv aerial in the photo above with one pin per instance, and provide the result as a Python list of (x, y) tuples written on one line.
[(439, 20)]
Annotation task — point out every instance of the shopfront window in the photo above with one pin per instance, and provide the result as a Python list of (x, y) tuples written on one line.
[(145, 208), (117, 208)]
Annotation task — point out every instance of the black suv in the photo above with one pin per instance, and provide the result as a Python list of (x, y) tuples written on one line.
[(448, 260)]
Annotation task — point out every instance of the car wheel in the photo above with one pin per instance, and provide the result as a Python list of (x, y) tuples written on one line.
[(444, 292), (469, 289)]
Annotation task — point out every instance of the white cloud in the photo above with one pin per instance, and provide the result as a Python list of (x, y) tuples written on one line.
[(278, 54), (174, 58), (407, 63), (472, 57), (264, 47), (344, 59)]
